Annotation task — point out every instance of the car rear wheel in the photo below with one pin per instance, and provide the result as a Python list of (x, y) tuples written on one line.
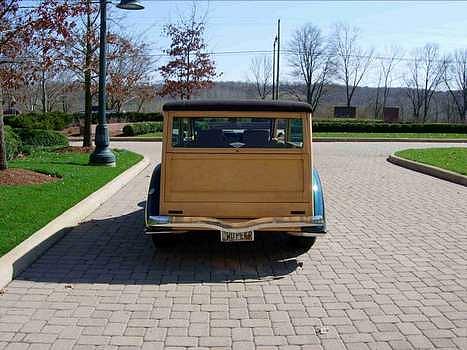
[(302, 242)]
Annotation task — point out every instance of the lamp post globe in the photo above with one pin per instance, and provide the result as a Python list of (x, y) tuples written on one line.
[(102, 154), (130, 5)]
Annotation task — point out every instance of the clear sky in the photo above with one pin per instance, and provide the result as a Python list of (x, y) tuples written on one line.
[(251, 25)]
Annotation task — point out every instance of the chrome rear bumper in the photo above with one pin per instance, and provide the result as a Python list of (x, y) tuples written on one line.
[(311, 225)]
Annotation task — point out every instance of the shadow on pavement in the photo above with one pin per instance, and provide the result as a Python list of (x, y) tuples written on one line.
[(116, 250)]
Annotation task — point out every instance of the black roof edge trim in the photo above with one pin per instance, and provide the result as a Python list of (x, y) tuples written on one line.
[(237, 106)]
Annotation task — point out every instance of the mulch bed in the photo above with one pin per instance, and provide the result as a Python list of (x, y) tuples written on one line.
[(24, 177), (75, 149)]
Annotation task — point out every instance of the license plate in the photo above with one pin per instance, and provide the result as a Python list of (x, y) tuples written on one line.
[(237, 236)]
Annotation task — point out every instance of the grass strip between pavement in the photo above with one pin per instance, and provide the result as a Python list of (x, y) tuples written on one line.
[(378, 135), (24, 209), (450, 158)]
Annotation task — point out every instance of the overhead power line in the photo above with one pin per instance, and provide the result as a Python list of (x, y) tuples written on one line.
[(269, 52)]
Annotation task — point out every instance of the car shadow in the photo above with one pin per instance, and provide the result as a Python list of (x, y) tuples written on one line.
[(116, 250)]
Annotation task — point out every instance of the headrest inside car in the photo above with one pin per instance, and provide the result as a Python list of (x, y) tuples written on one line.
[(210, 138), (256, 138)]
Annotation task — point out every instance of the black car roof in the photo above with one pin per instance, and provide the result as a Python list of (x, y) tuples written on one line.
[(237, 105)]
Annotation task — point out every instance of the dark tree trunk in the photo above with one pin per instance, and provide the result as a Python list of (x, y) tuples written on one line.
[(377, 104), (308, 94), (140, 106), (464, 114), (3, 163), (87, 142), (44, 94)]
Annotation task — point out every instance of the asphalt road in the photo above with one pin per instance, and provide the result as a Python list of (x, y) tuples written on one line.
[(390, 274)]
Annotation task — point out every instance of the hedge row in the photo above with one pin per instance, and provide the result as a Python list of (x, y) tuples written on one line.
[(59, 120), (135, 117), (127, 117), (335, 126), (13, 143), (142, 128), (348, 120), (41, 138), (23, 140), (44, 121), (357, 126)]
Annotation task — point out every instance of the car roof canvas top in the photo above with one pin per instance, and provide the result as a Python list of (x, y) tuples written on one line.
[(237, 106)]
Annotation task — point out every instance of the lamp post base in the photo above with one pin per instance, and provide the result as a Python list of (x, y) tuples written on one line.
[(102, 155), (107, 159)]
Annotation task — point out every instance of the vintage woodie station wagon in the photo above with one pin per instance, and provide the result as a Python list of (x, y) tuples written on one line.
[(236, 167)]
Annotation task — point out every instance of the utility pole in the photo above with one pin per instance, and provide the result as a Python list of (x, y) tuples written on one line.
[(278, 55), (274, 69)]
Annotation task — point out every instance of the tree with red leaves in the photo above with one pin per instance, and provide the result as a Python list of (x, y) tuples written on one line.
[(190, 67), (125, 65), (128, 65), (10, 27), (81, 54), (41, 27), (50, 25)]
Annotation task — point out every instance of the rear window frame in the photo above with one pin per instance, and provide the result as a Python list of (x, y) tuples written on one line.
[(169, 117)]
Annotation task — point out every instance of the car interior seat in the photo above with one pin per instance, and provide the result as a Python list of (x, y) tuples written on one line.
[(256, 138), (210, 138)]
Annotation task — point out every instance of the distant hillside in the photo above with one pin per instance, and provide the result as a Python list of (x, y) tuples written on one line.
[(364, 99)]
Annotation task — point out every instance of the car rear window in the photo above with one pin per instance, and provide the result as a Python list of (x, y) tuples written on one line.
[(241, 132)]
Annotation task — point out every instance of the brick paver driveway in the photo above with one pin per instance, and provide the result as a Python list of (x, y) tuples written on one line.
[(391, 273)]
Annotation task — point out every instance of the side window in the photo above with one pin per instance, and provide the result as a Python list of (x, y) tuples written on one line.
[(176, 132), (295, 135), (182, 132)]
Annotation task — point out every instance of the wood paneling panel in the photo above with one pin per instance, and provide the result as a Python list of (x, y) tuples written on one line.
[(236, 183)]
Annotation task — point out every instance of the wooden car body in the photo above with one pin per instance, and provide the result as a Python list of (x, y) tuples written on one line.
[(236, 166)]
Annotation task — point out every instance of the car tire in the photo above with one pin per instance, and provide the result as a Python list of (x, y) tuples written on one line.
[(302, 242), (162, 239)]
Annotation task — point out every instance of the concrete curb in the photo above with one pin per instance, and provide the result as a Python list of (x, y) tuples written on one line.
[(315, 139), (429, 170), (23, 255)]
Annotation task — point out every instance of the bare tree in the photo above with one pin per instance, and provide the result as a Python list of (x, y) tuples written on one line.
[(128, 65), (426, 72), (455, 79), (144, 92), (353, 61), (385, 78), (260, 69), (311, 61), (43, 74)]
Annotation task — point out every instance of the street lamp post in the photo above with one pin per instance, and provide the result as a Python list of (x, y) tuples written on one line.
[(103, 155)]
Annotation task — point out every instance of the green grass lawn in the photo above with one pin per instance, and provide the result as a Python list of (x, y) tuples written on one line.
[(450, 158), (366, 135), (25, 209), (390, 135)]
